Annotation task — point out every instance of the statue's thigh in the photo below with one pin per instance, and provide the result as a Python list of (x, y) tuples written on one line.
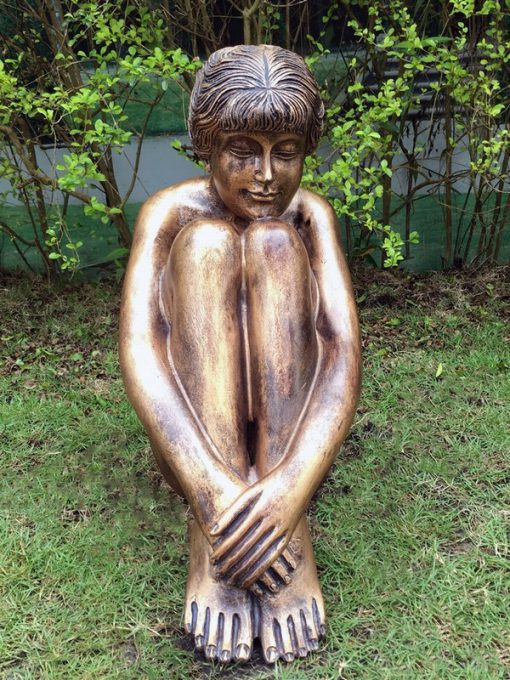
[(282, 311), (201, 287)]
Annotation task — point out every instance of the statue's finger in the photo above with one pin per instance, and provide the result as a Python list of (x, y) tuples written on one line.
[(240, 551), (289, 558), (236, 511), (256, 589), (230, 542), (269, 582), (283, 566), (262, 565), (257, 564), (281, 570)]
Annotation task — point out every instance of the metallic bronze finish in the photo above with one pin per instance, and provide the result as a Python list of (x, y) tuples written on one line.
[(240, 352)]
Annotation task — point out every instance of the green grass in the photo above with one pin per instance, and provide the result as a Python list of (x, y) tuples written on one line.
[(410, 528)]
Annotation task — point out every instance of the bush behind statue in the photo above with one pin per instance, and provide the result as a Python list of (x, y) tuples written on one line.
[(433, 74), (67, 71), (418, 74)]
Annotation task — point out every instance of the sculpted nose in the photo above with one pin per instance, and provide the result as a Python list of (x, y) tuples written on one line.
[(264, 170)]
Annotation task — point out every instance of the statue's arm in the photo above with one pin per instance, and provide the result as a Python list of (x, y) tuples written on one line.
[(274, 505), (333, 398), (150, 384)]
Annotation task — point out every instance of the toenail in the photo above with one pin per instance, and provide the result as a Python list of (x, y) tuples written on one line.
[(287, 579), (242, 652), (199, 641), (314, 645), (288, 656), (271, 654), (322, 630), (273, 587), (225, 656), (210, 652), (302, 651)]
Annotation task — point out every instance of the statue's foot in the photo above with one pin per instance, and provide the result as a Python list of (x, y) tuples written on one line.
[(292, 621), (217, 615)]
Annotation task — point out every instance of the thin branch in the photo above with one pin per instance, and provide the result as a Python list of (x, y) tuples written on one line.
[(36, 173), (22, 255), (141, 137), (282, 5), (15, 236), (26, 201)]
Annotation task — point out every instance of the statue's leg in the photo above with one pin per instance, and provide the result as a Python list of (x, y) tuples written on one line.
[(200, 290), (282, 308)]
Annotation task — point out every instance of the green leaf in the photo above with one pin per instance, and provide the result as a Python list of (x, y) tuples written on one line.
[(118, 253), (438, 39), (439, 371), (102, 402), (389, 126)]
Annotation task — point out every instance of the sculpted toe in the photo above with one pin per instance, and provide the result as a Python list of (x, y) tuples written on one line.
[(210, 651), (243, 652), (271, 654)]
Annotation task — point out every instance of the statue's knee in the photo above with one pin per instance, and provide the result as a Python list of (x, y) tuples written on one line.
[(274, 240), (204, 240)]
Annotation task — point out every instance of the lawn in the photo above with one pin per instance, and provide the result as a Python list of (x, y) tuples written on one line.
[(410, 528)]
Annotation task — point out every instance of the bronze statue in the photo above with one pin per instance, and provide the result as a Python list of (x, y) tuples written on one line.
[(240, 352)]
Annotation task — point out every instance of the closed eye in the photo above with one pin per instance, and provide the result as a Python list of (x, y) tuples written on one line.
[(240, 152), (285, 155)]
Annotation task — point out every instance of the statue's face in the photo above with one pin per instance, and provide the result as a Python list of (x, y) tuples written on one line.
[(257, 174)]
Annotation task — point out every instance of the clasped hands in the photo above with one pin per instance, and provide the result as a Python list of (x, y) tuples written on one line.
[(251, 536)]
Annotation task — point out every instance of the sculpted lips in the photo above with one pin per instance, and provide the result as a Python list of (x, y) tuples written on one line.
[(263, 196)]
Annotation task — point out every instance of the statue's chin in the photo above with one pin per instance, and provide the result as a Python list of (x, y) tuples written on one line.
[(258, 210), (262, 214)]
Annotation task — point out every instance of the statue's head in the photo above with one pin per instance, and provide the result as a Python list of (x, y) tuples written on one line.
[(254, 89)]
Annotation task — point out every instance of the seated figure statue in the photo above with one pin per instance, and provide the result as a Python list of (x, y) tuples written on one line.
[(240, 352)]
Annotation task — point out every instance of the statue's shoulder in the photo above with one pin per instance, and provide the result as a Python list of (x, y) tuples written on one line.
[(169, 208), (172, 200)]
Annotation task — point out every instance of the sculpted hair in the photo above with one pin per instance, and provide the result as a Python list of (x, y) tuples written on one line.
[(254, 89)]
